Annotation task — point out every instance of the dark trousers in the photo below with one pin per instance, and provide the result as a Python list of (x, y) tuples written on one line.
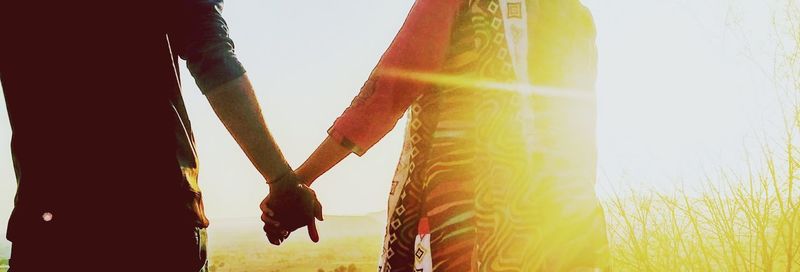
[(125, 250)]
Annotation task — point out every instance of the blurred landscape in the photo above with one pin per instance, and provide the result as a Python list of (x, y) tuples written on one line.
[(751, 224), (5, 251), (347, 243)]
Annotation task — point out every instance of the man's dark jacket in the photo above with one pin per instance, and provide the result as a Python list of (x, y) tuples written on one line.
[(101, 139)]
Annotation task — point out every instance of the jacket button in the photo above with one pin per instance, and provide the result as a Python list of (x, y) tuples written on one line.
[(47, 216)]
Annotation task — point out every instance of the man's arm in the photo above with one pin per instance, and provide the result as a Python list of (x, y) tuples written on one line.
[(236, 106), (297, 205), (200, 36)]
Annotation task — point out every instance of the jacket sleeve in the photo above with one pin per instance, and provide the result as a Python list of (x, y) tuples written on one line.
[(200, 36), (419, 48)]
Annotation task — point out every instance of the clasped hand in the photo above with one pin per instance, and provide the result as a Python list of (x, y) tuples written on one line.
[(290, 205)]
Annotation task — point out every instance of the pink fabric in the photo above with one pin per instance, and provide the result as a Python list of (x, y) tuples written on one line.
[(419, 47)]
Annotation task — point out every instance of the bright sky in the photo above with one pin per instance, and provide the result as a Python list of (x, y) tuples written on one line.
[(681, 91)]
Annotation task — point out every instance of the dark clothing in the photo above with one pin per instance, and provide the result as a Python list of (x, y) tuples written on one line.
[(170, 250), (101, 139)]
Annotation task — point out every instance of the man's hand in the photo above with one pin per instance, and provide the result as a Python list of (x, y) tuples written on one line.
[(289, 206), (272, 228)]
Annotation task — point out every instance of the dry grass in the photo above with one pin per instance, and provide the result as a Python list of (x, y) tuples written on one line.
[(748, 225), (741, 221)]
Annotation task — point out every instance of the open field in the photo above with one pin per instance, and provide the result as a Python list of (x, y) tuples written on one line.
[(345, 242), (239, 245), (740, 228)]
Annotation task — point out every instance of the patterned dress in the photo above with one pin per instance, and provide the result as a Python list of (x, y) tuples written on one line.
[(498, 165)]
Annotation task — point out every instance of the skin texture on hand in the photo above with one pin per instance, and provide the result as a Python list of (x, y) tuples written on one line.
[(289, 206)]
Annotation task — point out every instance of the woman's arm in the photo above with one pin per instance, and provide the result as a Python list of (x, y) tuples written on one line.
[(419, 47), (326, 156)]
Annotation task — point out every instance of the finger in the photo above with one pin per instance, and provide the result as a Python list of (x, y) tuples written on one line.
[(318, 211), (263, 204), (278, 232), (274, 239), (269, 220), (283, 235), (275, 236), (269, 230), (274, 231), (312, 231), (266, 210)]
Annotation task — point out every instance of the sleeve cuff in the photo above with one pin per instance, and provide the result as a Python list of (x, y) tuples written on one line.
[(215, 70), (347, 143)]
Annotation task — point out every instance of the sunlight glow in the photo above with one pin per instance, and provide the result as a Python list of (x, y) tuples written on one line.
[(467, 81)]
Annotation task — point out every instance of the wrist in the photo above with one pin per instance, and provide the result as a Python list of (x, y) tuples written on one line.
[(277, 173), (303, 175), (284, 179)]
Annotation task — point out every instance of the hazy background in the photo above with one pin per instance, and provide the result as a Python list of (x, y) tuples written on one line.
[(684, 88)]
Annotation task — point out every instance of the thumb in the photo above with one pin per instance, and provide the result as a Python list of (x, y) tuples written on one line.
[(318, 211), (312, 231)]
